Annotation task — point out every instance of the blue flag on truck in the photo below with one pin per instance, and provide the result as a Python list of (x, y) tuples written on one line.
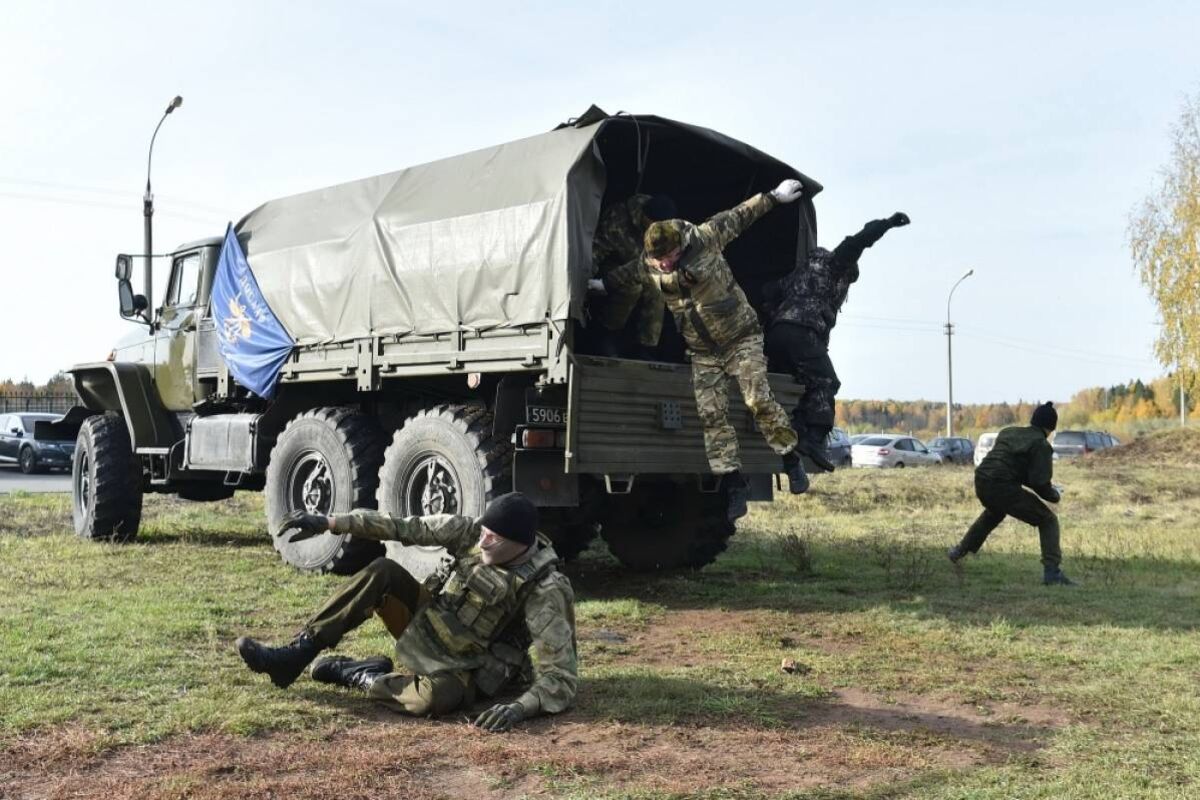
[(249, 336)]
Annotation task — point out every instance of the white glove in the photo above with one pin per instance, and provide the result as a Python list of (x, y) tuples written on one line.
[(596, 286), (788, 190)]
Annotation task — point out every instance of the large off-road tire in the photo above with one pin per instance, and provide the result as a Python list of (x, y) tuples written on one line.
[(443, 460), (573, 529), (666, 523), (106, 481), (28, 461), (325, 461)]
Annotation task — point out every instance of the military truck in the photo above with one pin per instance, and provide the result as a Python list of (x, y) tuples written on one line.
[(440, 319)]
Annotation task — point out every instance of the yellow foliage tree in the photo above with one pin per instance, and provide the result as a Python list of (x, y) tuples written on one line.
[(1164, 239)]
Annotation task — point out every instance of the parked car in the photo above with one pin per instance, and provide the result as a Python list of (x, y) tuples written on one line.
[(1070, 444), (19, 444), (837, 447), (986, 442), (858, 437), (953, 449), (891, 450)]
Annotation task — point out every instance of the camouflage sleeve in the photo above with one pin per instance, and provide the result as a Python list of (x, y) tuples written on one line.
[(437, 530), (550, 615), (628, 278), (723, 228)]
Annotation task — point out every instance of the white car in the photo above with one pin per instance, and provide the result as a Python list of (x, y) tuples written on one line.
[(891, 450), (984, 446)]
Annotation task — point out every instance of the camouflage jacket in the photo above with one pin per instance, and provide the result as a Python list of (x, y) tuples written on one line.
[(616, 257), (710, 308), (439, 636), (813, 293), (1021, 456)]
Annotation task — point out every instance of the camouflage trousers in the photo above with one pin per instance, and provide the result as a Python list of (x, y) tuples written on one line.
[(387, 590), (804, 352), (629, 293), (745, 362)]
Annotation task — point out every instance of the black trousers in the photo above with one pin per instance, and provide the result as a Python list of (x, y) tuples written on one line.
[(1010, 500), (801, 351)]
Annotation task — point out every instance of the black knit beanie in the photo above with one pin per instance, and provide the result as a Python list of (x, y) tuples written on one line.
[(1044, 416), (513, 516)]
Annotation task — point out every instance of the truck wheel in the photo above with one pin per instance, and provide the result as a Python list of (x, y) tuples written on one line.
[(28, 461), (106, 481), (573, 529), (325, 461), (442, 461), (666, 524)]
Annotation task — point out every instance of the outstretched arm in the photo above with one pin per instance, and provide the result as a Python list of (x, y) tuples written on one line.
[(851, 248), (452, 532), (724, 227)]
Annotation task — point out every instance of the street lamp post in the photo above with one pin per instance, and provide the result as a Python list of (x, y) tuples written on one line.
[(950, 358), (148, 212)]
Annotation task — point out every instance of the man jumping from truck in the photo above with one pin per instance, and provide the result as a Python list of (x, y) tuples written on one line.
[(722, 332), (467, 638), (801, 309)]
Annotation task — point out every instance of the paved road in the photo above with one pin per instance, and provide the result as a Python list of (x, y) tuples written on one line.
[(11, 480)]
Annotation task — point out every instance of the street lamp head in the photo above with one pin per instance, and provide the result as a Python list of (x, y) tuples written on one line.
[(970, 272), (176, 103)]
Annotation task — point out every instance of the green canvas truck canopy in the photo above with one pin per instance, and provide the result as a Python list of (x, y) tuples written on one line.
[(500, 237)]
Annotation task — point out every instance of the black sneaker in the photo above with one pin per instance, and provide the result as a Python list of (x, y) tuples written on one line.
[(739, 496)]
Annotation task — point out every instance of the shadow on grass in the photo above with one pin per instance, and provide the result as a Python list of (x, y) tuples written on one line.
[(1132, 592), (653, 700), (204, 538)]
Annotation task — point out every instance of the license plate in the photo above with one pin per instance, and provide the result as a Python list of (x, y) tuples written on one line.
[(546, 415)]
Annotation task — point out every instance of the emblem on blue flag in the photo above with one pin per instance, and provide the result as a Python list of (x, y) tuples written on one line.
[(249, 336)]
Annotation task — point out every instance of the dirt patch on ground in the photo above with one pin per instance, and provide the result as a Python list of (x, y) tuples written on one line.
[(850, 740), (1178, 447)]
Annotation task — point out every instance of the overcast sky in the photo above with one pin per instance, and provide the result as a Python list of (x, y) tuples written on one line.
[(1018, 141)]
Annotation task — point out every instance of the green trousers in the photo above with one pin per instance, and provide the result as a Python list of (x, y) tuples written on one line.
[(1010, 500), (388, 590)]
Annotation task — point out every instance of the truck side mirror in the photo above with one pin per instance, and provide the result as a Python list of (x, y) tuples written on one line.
[(131, 304), (124, 267)]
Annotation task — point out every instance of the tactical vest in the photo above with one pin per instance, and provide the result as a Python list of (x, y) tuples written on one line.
[(711, 315), (479, 600)]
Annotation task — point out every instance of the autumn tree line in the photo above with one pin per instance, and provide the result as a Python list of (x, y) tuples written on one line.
[(1125, 410)]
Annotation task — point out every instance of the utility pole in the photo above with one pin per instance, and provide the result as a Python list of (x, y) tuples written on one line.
[(950, 358)]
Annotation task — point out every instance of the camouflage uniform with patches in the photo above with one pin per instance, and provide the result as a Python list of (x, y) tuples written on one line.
[(471, 635), (801, 309), (722, 333), (616, 256)]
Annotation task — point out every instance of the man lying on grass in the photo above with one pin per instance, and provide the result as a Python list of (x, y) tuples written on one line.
[(458, 639)]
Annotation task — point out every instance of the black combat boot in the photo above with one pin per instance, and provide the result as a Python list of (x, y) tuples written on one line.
[(343, 671), (815, 450), (739, 495), (956, 554), (797, 477), (284, 664)]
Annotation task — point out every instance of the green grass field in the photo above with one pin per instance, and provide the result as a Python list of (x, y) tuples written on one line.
[(906, 679)]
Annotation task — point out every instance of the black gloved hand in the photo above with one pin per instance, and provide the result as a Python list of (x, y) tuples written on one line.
[(898, 220), (300, 525), (500, 717)]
